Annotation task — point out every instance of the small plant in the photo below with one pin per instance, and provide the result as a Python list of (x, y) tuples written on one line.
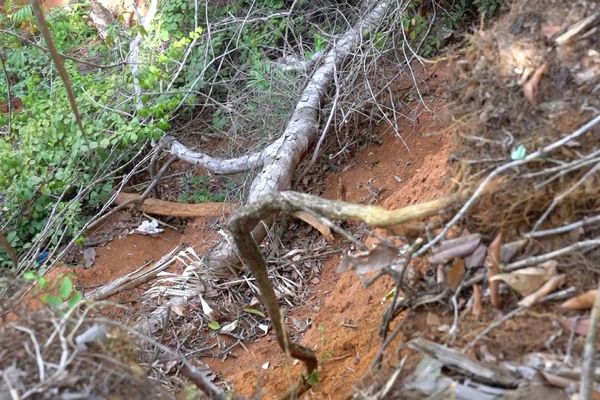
[(57, 292), (196, 189)]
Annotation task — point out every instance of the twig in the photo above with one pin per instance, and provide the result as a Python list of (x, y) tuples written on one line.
[(553, 296), (499, 170), (323, 135), (589, 353), (563, 229), (196, 376), (551, 255)]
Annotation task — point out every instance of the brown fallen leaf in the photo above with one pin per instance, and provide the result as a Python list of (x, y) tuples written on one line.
[(584, 301), (459, 247), (509, 250), (477, 309), (456, 273), (477, 258), (493, 265), (580, 326), (527, 280), (531, 87), (315, 223), (553, 283)]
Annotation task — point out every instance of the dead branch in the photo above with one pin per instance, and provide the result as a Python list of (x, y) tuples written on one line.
[(282, 156), (584, 244), (243, 221), (214, 165), (487, 373), (171, 209), (133, 279)]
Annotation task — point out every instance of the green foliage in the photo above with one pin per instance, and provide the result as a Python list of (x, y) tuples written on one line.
[(44, 161), (451, 16), (196, 190), (488, 7), (313, 378), (54, 293)]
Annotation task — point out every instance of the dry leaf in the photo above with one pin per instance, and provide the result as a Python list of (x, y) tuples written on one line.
[(456, 273), (530, 88), (509, 250), (178, 309), (477, 258), (410, 230), (493, 265), (577, 325), (477, 309), (527, 280), (315, 223), (206, 309), (368, 261), (450, 243), (230, 327), (553, 283), (584, 301), (459, 247)]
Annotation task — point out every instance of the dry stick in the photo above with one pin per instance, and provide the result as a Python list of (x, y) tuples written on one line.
[(553, 296), (589, 352), (189, 371), (564, 228), (483, 185), (133, 279), (64, 75), (584, 244)]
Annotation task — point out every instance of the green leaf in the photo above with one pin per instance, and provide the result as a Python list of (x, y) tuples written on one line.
[(29, 276), (77, 296), (214, 325), (51, 300), (66, 287), (164, 125), (255, 312), (313, 378), (518, 153), (42, 282)]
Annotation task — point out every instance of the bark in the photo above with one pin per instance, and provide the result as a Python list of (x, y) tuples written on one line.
[(280, 159), (215, 165)]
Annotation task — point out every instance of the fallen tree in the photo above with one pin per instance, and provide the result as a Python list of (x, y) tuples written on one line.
[(279, 159)]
